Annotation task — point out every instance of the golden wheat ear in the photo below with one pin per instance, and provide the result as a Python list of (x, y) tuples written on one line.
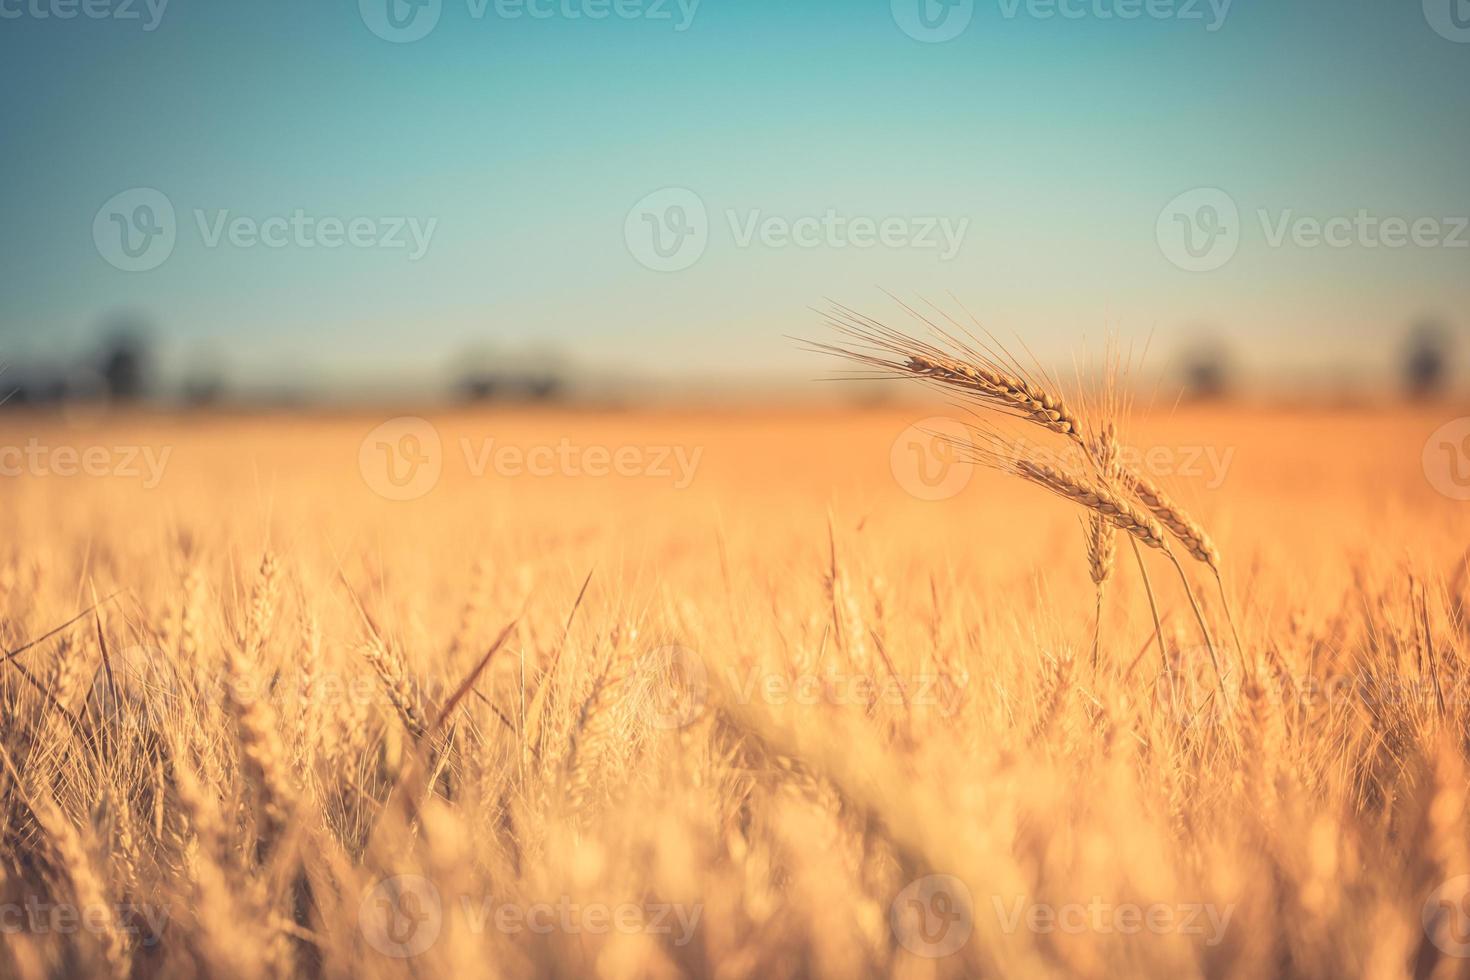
[(1185, 529), (951, 364), (1101, 537), (1106, 505)]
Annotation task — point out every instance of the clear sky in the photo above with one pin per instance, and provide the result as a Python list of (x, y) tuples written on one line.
[(814, 149)]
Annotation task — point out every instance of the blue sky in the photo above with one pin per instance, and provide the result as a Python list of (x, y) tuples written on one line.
[(1050, 146)]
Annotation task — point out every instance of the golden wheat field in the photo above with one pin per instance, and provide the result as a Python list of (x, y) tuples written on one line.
[(722, 694)]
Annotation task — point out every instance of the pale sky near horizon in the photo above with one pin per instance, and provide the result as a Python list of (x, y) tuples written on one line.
[(667, 188)]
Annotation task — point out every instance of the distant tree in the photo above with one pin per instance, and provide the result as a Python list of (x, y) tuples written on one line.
[(1426, 364), (545, 388), (125, 360), (1207, 371), (483, 375), (203, 389)]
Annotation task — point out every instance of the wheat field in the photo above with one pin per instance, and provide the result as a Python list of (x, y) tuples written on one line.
[(721, 694)]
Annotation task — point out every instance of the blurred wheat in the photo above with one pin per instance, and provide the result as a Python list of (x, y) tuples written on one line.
[(265, 730)]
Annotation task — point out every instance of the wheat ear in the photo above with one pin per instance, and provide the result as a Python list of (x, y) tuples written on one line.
[(980, 375), (1116, 510), (1122, 514), (75, 859), (1101, 538), (595, 730)]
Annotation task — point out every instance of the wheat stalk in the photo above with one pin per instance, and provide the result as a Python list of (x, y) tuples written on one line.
[(976, 371), (980, 374)]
